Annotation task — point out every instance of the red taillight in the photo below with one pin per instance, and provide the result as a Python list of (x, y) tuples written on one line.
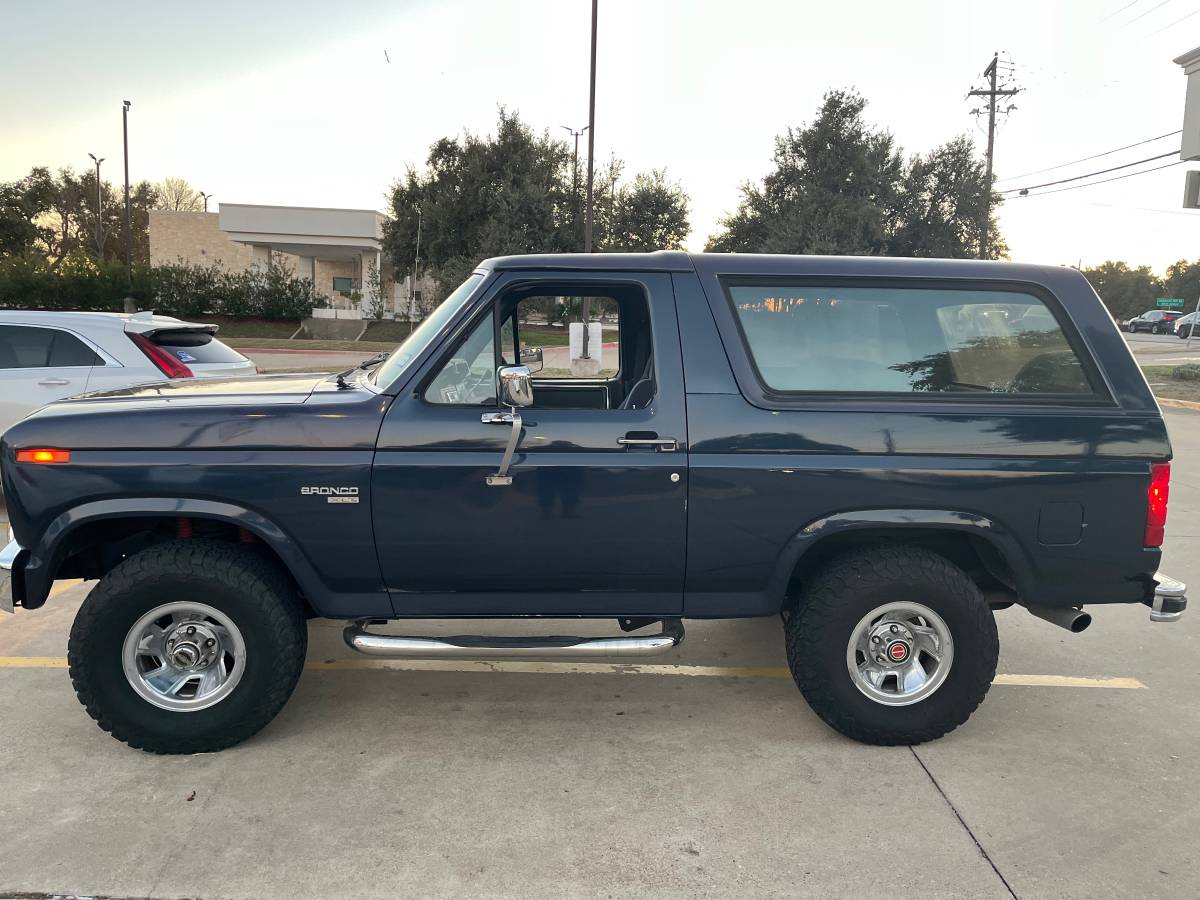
[(1156, 503), (167, 364), (43, 455)]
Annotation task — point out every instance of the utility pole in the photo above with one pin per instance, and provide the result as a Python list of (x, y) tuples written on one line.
[(412, 283), (992, 91), (591, 130), (99, 209), (130, 303), (204, 197)]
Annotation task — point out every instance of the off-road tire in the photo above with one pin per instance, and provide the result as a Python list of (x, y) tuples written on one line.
[(836, 598), (253, 592)]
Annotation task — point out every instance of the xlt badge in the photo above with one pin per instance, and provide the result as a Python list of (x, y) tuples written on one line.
[(332, 494)]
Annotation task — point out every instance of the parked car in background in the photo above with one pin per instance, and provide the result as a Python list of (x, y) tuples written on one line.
[(47, 356), (1184, 324), (1155, 321)]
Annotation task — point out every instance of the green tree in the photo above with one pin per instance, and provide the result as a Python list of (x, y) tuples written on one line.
[(1183, 280), (939, 207), (831, 191), (56, 217), (515, 192), (1124, 290), (482, 196), (651, 213), (840, 185), (23, 207)]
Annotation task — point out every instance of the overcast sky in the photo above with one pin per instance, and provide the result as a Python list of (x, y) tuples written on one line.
[(296, 104)]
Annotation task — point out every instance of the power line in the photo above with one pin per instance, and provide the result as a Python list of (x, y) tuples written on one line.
[(1116, 12), (1076, 187), (1090, 174), (1096, 156), (1147, 12), (1176, 22)]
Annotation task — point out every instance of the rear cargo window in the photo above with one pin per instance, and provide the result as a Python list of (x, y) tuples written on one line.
[(196, 347), (905, 340)]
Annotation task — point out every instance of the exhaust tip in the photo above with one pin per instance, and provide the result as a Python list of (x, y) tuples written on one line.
[(1081, 622)]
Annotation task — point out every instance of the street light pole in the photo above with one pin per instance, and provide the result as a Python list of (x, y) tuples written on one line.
[(412, 283), (99, 209), (130, 304), (591, 130), (204, 197), (575, 169)]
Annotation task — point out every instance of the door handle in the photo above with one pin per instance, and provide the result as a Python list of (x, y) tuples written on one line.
[(667, 445), (54, 382)]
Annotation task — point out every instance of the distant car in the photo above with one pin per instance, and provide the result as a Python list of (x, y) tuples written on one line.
[(1184, 325), (1155, 321), (47, 356)]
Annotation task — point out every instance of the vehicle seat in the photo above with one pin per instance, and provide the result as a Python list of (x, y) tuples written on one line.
[(642, 392), (640, 395)]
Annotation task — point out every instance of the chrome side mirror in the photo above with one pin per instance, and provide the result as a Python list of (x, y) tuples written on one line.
[(516, 386), (531, 358)]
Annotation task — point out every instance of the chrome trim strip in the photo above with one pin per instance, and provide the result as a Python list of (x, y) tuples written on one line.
[(477, 646)]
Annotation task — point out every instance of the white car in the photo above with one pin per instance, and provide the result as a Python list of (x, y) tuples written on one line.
[(46, 356)]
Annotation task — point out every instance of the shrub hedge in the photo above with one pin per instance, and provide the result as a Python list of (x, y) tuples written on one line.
[(28, 282)]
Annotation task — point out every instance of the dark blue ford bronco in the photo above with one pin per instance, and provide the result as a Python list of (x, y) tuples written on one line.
[(880, 451)]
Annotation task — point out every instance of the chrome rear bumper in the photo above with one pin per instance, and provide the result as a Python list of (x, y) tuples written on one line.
[(1170, 599)]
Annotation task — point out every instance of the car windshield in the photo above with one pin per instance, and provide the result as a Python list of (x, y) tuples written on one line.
[(425, 333)]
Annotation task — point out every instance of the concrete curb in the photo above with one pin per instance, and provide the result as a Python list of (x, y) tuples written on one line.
[(1178, 404)]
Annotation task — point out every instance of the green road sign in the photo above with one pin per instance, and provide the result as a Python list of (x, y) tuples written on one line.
[(1170, 302)]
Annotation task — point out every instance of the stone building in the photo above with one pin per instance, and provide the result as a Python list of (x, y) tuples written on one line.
[(335, 248)]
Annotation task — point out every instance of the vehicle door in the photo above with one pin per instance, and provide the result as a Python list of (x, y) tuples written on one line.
[(39, 365), (593, 520)]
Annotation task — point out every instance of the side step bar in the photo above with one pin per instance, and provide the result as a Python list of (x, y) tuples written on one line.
[(471, 646)]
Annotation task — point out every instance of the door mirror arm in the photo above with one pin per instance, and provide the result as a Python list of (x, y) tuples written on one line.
[(516, 390)]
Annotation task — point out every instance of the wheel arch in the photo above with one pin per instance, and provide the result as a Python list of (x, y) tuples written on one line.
[(88, 540), (983, 548)]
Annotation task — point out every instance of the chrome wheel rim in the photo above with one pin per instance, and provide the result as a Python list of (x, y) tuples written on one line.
[(899, 653), (184, 657)]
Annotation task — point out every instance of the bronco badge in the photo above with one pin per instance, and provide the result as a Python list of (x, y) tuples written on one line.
[(332, 494)]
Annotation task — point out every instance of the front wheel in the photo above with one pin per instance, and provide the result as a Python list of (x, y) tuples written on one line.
[(188, 647), (892, 645)]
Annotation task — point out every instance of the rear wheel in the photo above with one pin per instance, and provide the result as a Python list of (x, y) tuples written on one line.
[(188, 647), (892, 645)]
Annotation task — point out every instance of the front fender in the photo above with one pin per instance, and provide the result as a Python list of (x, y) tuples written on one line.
[(42, 561), (977, 526)]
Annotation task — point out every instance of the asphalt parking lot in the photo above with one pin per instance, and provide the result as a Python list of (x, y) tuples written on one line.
[(703, 774)]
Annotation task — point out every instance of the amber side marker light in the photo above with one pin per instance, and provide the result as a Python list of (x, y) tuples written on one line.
[(41, 455)]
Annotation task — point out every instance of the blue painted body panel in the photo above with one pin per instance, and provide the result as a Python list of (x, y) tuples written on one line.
[(590, 528)]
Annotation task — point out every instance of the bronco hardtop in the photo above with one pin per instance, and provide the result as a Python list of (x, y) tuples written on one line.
[(879, 451)]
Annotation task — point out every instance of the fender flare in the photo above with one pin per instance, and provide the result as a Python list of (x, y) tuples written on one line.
[(43, 559), (995, 534)]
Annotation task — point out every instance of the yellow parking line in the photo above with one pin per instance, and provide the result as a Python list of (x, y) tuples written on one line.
[(33, 662), (1069, 681), (585, 668)]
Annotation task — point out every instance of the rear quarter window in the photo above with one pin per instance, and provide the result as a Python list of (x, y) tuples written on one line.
[(918, 340), (196, 347)]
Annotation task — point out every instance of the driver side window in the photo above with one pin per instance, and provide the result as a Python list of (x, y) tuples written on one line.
[(469, 377)]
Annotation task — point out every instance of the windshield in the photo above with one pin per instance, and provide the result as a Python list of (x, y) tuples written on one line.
[(425, 333)]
